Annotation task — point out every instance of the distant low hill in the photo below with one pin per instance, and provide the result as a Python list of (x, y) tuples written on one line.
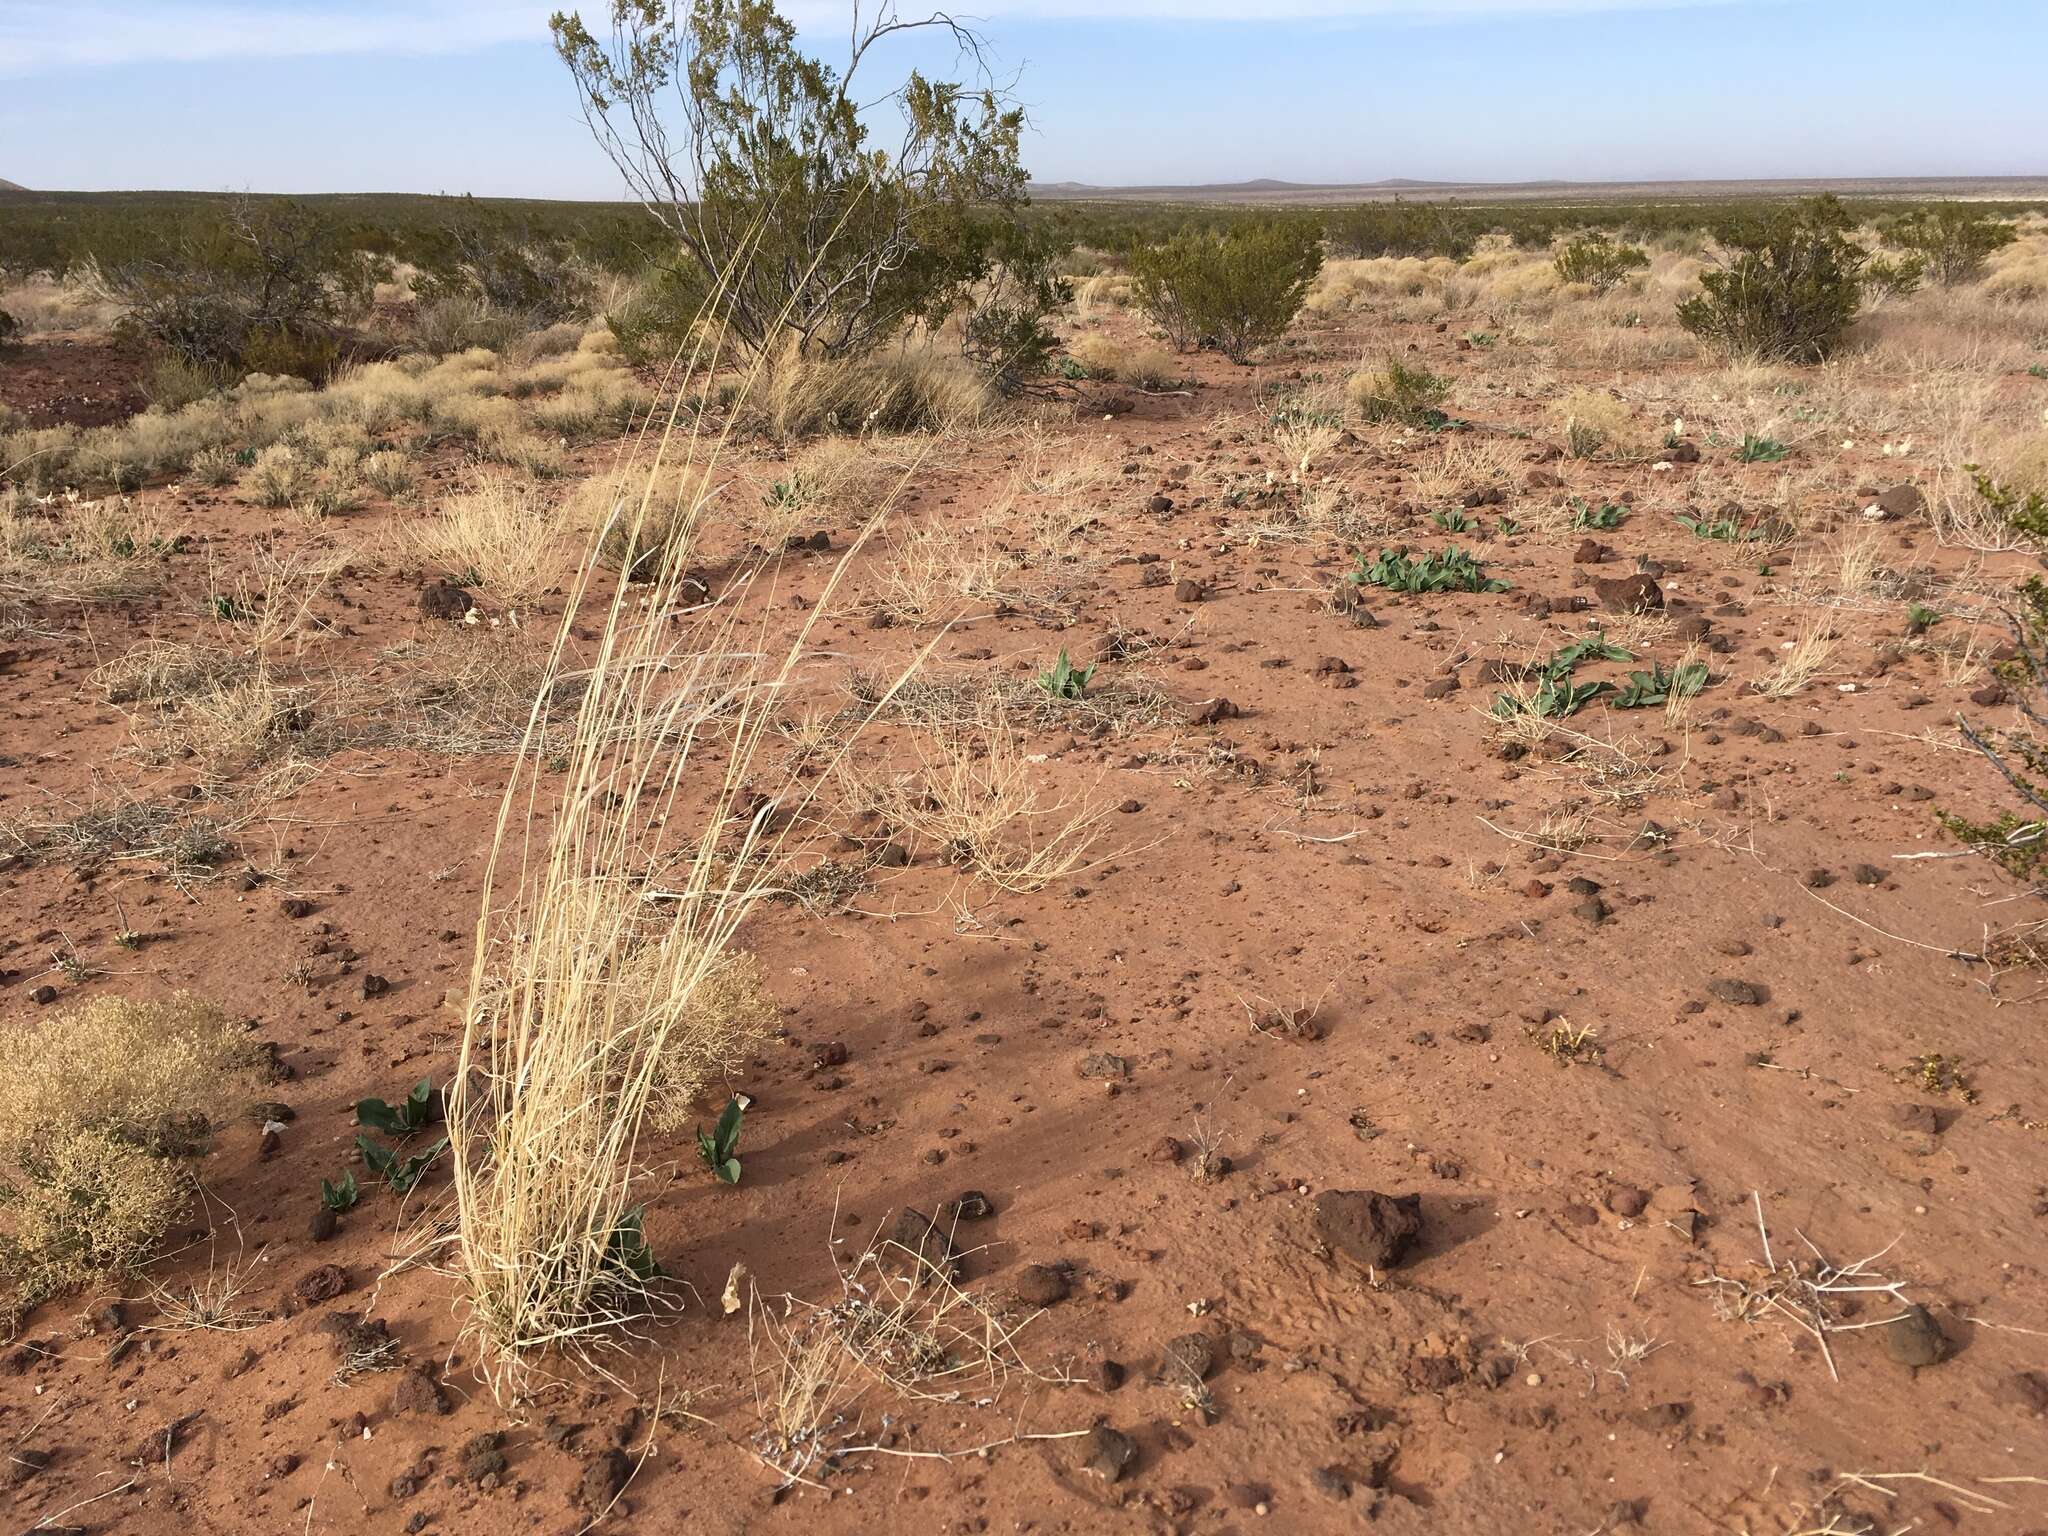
[(11, 186), (1323, 194)]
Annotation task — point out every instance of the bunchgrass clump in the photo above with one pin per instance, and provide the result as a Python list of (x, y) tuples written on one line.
[(607, 926), (499, 534)]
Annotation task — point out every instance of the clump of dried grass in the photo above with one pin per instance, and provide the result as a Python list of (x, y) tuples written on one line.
[(279, 476), (828, 477), (638, 516), (728, 1012), (914, 386), (961, 702), (162, 672), (477, 690), (902, 1322), (1323, 513), (97, 1110), (621, 868), (229, 722), (1594, 423), (213, 1304), (48, 304), (1800, 660), (930, 570), (64, 551), (1304, 440), (185, 845), (271, 599), (1144, 366), (500, 534), (1104, 290), (977, 797)]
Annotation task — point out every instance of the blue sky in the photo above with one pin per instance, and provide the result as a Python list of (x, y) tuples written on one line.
[(467, 96)]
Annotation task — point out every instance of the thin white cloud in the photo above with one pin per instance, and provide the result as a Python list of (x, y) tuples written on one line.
[(56, 34), (835, 12), (38, 35)]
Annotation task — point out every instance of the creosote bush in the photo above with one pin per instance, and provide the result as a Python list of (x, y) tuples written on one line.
[(1235, 291), (1952, 242), (1598, 262), (508, 269), (98, 1108), (655, 318), (1789, 285), (1400, 228), (269, 288), (755, 156)]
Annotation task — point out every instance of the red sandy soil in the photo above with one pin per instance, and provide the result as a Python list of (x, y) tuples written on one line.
[(1325, 845), (82, 383)]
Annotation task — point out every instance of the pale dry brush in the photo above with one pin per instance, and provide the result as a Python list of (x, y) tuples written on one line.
[(629, 848)]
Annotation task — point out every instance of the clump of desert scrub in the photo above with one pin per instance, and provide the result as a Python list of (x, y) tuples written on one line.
[(279, 475), (99, 1109), (1397, 392), (728, 1013)]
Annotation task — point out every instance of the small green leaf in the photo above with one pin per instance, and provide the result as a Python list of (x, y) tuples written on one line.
[(718, 1150)]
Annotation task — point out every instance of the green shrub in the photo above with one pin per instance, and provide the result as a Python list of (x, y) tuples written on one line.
[(1064, 680), (1401, 228), (510, 271), (271, 288), (1235, 291), (1893, 277), (1399, 392), (2023, 510), (1646, 690), (719, 1148), (1598, 262), (755, 156), (1788, 287), (1005, 331), (654, 322), (10, 332), (1557, 693), (1605, 517), (1951, 241)]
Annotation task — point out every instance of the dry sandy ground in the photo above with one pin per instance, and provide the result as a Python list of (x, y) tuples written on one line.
[(1624, 1010)]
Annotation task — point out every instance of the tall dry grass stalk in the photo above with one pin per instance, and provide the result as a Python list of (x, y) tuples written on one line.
[(624, 861)]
